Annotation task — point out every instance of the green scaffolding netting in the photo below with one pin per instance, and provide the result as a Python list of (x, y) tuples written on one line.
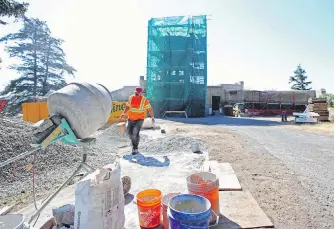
[(177, 64)]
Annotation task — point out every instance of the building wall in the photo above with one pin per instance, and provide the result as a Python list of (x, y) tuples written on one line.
[(213, 91), (249, 96), (233, 93), (236, 86)]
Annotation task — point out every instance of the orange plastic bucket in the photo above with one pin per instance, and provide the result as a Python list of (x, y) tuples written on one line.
[(149, 207), (205, 184)]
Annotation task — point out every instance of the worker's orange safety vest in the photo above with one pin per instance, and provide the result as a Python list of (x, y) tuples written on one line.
[(137, 107)]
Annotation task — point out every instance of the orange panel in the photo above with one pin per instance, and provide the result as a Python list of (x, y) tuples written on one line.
[(44, 113), (33, 112), (24, 112)]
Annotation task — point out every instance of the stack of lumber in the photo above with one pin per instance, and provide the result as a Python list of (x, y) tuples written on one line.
[(320, 106)]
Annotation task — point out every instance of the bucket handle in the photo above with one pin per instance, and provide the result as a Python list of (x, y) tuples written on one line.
[(216, 221)]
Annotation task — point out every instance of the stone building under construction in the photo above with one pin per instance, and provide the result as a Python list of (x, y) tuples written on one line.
[(257, 102)]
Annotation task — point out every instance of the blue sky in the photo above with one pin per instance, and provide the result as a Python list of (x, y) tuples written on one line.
[(258, 41)]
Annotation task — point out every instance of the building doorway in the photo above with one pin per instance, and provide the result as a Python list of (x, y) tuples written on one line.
[(216, 103)]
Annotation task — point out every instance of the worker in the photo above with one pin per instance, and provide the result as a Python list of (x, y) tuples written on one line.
[(284, 116), (136, 106)]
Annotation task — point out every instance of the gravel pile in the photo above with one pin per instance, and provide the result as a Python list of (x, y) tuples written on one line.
[(53, 166), (170, 143)]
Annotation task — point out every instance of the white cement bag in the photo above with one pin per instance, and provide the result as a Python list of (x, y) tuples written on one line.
[(85, 106), (99, 201)]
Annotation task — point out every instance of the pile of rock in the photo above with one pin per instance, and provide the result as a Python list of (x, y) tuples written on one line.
[(53, 166)]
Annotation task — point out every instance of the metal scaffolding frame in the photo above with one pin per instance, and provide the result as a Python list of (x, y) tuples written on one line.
[(177, 64)]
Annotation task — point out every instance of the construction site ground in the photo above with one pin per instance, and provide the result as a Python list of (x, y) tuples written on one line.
[(288, 171)]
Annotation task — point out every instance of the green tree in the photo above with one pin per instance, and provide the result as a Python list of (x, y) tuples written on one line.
[(330, 99), (54, 64), (299, 80), (10, 8), (43, 62)]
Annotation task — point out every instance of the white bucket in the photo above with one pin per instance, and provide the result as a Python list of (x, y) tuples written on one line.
[(195, 147), (210, 111), (85, 106), (220, 110), (12, 221)]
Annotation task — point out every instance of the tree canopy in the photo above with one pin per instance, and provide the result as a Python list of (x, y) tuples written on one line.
[(299, 80), (10, 8), (330, 99), (42, 61)]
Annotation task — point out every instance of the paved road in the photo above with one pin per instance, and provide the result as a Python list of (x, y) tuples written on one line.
[(310, 156)]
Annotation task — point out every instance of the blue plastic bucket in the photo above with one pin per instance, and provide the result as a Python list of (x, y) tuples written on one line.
[(187, 211)]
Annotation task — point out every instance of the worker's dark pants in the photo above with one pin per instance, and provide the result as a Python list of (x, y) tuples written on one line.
[(133, 129), (284, 118)]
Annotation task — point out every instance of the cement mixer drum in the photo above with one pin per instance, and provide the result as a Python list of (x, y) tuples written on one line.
[(85, 106)]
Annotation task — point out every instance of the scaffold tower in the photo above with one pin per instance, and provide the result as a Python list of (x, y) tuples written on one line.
[(177, 64)]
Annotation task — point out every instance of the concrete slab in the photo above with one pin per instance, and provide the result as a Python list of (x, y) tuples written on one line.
[(167, 179), (240, 210), (227, 177)]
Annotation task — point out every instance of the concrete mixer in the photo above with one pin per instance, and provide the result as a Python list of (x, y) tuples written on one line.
[(86, 107), (76, 112)]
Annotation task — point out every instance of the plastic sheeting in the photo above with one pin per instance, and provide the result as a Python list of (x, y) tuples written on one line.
[(177, 64)]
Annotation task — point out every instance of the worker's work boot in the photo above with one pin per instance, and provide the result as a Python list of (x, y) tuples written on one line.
[(134, 152)]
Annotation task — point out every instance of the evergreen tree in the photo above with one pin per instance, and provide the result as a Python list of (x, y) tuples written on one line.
[(43, 63), (10, 8), (54, 64), (330, 99), (299, 80)]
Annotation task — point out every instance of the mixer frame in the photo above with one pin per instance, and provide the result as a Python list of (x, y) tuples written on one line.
[(59, 130), (85, 143)]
